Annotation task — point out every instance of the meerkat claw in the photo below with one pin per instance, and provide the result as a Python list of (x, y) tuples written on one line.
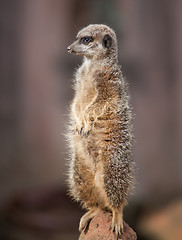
[(86, 133), (81, 130)]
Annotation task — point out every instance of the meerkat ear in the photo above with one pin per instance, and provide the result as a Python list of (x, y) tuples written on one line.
[(107, 41)]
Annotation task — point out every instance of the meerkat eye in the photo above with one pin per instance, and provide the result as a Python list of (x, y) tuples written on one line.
[(86, 40)]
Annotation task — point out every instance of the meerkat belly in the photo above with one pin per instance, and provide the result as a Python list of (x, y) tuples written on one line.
[(91, 177), (99, 184)]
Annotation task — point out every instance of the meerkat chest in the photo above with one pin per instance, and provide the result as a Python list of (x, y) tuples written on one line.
[(85, 90)]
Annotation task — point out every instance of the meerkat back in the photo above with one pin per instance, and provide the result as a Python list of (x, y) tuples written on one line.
[(100, 128)]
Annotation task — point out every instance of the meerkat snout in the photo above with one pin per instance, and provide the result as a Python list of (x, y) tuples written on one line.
[(95, 41)]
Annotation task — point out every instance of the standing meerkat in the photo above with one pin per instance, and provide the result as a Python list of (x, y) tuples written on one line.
[(100, 129)]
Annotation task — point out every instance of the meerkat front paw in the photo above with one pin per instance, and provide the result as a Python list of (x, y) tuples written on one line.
[(79, 128), (84, 128)]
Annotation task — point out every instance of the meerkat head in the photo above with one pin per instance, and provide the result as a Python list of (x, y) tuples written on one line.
[(95, 41)]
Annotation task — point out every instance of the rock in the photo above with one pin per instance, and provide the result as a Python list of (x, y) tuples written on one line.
[(99, 229)]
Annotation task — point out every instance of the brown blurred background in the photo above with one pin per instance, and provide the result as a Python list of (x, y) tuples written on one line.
[(35, 91)]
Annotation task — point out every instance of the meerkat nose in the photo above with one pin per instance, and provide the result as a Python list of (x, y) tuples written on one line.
[(69, 49)]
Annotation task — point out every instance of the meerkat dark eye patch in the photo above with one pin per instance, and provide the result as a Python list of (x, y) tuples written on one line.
[(107, 41), (86, 40)]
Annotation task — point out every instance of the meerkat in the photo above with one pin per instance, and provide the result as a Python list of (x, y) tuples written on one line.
[(100, 128)]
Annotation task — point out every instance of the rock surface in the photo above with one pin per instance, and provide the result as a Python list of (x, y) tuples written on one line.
[(99, 229)]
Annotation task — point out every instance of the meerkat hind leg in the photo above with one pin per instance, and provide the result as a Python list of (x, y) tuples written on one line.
[(117, 221), (87, 217)]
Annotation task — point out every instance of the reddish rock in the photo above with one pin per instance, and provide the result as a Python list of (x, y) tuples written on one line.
[(99, 229)]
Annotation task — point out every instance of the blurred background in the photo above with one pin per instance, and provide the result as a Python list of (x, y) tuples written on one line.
[(36, 75)]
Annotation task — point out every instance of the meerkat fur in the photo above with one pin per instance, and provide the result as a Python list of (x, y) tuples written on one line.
[(100, 128)]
